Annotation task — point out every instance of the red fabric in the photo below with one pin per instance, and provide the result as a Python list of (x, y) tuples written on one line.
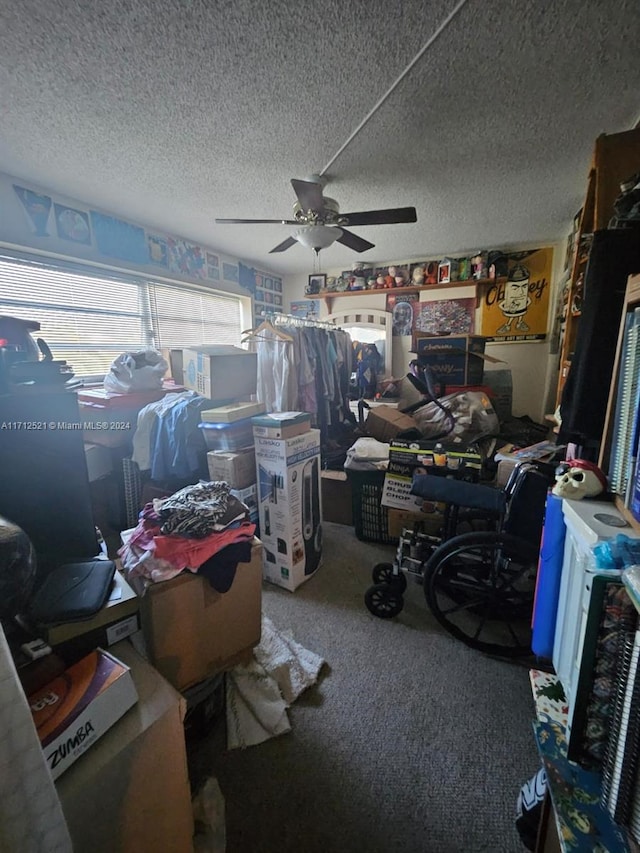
[(192, 553)]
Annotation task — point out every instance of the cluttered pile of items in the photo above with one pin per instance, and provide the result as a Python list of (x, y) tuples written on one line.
[(457, 427)]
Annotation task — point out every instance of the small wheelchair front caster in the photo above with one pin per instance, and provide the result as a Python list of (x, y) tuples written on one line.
[(383, 601)]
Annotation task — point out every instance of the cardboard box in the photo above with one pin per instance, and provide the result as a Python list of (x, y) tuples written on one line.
[(130, 792), (110, 419), (99, 461), (176, 366), (191, 632), (249, 497), (429, 522), (505, 468), (75, 709), (396, 493), (406, 456), (122, 604), (281, 424), (454, 360), (221, 373), (290, 507), (232, 412), (104, 637), (237, 469), (336, 497), (385, 423)]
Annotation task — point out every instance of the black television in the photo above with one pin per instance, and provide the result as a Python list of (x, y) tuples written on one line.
[(44, 485)]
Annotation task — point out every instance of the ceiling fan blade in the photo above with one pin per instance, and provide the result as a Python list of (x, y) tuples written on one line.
[(354, 242), (391, 216), (256, 222), (286, 244), (309, 195)]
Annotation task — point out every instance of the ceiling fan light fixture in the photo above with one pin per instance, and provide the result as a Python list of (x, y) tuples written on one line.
[(317, 236)]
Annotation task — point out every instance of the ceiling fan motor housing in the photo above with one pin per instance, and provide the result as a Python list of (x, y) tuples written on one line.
[(327, 216)]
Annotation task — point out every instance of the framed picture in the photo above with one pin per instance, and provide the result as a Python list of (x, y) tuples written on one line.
[(268, 283), (305, 308), (317, 282), (277, 285)]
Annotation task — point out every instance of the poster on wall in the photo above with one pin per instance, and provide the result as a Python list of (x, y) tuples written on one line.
[(37, 208), (401, 307), (307, 308), (229, 272), (213, 267), (445, 317), (517, 309), (119, 239), (185, 258), (72, 224), (158, 250)]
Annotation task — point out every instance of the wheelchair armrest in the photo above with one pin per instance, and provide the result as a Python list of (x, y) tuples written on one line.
[(458, 492)]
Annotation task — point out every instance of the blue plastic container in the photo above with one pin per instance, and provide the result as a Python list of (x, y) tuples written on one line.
[(545, 607)]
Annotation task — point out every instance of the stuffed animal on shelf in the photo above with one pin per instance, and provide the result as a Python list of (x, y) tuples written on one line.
[(398, 275), (417, 277), (579, 478)]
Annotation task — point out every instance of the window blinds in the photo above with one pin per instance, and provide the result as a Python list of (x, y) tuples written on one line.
[(89, 317), (183, 318)]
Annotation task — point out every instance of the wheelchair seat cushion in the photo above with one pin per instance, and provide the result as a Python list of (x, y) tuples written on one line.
[(458, 492)]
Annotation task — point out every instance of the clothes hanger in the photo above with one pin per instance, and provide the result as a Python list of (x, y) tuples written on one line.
[(267, 326)]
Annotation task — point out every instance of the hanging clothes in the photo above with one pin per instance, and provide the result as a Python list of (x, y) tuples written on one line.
[(368, 364), (309, 372), (277, 377), (147, 418)]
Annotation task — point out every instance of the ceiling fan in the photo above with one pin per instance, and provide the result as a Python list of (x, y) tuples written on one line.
[(321, 221)]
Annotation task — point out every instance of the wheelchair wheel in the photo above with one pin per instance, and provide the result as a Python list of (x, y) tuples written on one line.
[(383, 601), (480, 587), (383, 573)]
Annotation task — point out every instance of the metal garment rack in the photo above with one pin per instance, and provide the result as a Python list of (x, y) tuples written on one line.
[(280, 319)]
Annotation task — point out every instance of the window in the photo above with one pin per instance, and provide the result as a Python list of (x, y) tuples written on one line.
[(88, 316), (183, 317)]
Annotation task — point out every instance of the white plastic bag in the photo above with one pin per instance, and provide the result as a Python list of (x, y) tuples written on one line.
[(136, 371), (209, 818), (470, 417)]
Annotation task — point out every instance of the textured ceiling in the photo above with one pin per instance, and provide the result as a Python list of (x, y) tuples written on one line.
[(174, 112)]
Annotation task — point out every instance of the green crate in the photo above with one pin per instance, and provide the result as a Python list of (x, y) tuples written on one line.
[(370, 518)]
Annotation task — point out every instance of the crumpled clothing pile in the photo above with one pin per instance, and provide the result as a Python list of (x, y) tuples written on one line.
[(184, 531), (258, 694)]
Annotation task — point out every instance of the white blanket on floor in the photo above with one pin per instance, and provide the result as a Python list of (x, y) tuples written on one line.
[(259, 694)]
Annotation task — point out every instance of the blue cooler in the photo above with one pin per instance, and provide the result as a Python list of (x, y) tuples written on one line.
[(545, 606)]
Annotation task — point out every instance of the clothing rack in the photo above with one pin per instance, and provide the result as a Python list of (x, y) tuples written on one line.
[(280, 319)]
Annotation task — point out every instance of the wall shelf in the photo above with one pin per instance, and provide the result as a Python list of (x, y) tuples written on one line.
[(479, 283)]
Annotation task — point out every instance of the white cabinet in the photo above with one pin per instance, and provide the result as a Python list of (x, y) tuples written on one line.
[(588, 522)]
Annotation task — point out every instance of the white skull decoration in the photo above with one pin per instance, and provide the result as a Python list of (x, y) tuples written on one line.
[(579, 479)]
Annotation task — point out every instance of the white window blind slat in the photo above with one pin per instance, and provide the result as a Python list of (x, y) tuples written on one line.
[(183, 319), (89, 319)]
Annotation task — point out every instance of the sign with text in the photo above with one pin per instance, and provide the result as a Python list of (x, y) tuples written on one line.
[(517, 309)]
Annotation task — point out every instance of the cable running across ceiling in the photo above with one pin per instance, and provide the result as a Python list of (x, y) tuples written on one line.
[(395, 84)]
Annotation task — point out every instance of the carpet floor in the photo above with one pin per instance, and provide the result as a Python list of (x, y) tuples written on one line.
[(410, 741)]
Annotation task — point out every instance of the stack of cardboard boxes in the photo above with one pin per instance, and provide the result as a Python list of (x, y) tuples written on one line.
[(287, 454), (192, 632), (229, 435)]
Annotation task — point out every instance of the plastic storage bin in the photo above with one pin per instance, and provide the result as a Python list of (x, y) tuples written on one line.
[(370, 518), (233, 436)]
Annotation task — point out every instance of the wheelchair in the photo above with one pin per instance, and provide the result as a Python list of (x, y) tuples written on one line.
[(479, 574)]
